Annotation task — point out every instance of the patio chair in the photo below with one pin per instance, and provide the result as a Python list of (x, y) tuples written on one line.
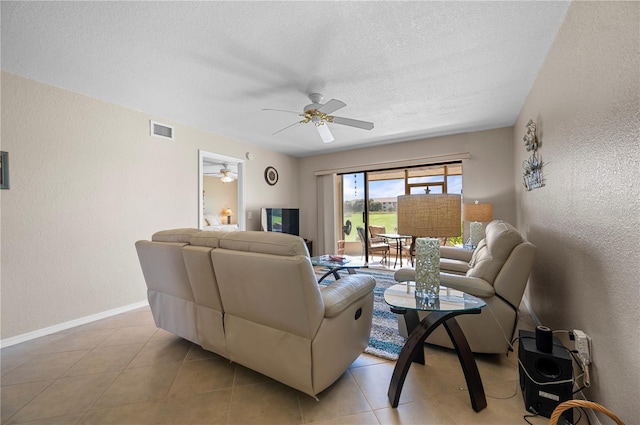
[(373, 247)]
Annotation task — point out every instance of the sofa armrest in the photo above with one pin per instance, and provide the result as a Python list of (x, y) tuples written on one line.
[(471, 285), (344, 292), (454, 253), (405, 274)]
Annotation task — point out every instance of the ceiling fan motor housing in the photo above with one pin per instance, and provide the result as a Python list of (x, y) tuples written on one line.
[(315, 98)]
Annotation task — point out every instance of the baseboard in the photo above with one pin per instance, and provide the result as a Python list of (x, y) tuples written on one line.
[(7, 342), (535, 319), (591, 414)]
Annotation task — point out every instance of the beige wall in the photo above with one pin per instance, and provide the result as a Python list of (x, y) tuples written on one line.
[(87, 181), (487, 174), (585, 220)]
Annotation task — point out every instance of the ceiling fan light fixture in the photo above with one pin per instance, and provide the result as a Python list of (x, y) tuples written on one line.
[(226, 178), (319, 115)]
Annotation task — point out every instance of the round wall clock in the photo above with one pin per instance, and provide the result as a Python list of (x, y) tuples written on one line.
[(271, 175)]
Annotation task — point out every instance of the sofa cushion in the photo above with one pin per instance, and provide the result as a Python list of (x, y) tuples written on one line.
[(264, 243), (488, 258), (477, 252), (208, 238), (453, 266), (174, 235)]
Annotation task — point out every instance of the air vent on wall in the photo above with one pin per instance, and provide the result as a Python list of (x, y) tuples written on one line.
[(162, 130)]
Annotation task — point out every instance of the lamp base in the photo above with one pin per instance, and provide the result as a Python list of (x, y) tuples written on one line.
[(427, 270), (475, 229), (469, 244), (427, 299), (228, 219)]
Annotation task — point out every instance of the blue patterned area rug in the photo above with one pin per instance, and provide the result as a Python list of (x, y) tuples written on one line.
[(385, 341)]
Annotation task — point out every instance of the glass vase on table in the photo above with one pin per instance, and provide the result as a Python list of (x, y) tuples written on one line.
[(427, 270)]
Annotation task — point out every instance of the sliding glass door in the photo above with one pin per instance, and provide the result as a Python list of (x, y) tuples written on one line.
[(370, 199), (354, 214)]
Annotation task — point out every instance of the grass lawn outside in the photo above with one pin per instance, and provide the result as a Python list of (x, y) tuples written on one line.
[(380, 218), (387, 219)]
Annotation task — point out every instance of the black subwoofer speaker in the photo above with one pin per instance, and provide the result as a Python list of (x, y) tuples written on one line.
[(540, 395)]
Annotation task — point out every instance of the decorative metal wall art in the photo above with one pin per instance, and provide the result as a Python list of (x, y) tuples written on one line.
[(532, 166)]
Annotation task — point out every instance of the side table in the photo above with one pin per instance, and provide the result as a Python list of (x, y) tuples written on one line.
[(403, 300), (335, 263)]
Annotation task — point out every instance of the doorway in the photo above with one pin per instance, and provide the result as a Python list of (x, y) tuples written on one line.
[(229, 206)]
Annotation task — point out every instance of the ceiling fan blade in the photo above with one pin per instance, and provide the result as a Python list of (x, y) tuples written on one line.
[(282, 110), (332, 106), (289, 126), (365, 125), (325, 133)]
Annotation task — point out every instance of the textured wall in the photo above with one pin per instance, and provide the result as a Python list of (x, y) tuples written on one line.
[(87, 181), (487, 174), (585, 220)]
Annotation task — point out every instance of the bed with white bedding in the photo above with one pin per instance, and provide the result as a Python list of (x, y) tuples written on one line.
[(222, 227), (211, 222)]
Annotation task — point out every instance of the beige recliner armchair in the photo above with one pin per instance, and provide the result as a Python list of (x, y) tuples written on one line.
[(497, 271)]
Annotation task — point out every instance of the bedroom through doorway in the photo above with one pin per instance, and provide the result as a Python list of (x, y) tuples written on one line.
[(221, 204)]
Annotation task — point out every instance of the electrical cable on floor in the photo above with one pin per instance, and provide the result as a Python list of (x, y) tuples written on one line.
[(526, 418), (515, 391), (579, 390)]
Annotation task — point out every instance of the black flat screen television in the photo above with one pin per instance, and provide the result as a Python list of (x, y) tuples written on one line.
[(281, 220)]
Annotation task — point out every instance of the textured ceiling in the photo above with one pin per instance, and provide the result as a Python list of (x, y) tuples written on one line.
[(415, 69)]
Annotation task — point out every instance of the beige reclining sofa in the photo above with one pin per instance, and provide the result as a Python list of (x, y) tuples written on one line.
[(496, 271), (253, 298)]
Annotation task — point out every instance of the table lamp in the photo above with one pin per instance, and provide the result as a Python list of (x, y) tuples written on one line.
[(476, 214), (228, 213), (426, 217)]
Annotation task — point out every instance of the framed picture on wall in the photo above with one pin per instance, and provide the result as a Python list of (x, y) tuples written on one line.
[(4, 170), (271, 175)]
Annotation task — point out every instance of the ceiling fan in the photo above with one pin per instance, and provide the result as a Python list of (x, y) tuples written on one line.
[(319, 114), (226, 174)]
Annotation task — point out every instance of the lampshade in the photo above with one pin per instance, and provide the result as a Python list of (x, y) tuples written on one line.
[(226, 179), (478, 212), (228, 212), (435, 216)]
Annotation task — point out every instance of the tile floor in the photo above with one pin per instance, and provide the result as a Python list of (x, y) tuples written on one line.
[(123, 370)]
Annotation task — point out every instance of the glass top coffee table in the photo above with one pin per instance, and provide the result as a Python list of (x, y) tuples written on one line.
[(337, 262), (403, 300)]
